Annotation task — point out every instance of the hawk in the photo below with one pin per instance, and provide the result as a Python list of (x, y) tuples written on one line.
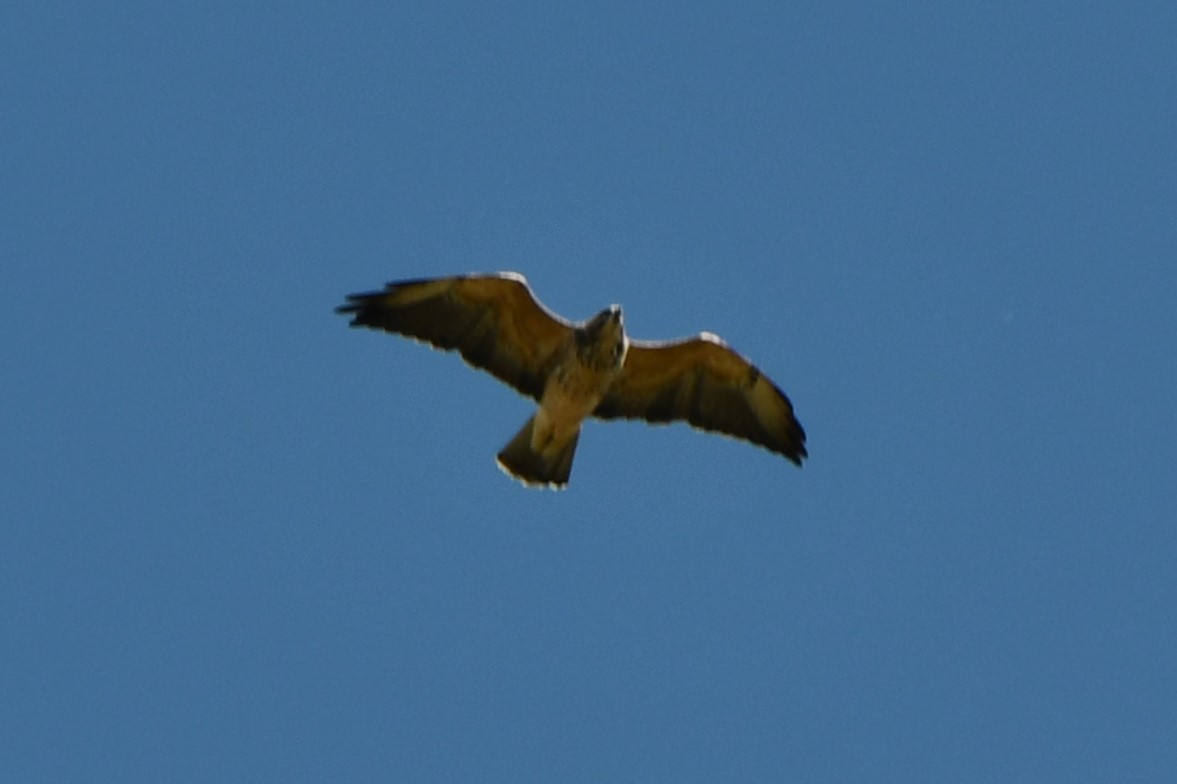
[(578, 370)]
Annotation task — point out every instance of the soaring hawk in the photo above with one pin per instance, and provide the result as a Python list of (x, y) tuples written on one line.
[(575, 371)]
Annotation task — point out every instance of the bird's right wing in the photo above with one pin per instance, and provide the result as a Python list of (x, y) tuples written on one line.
[(495, 321)]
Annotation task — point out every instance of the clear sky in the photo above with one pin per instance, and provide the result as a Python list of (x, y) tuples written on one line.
[(242, 542)]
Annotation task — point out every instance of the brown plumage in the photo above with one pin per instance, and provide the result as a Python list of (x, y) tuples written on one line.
[(578, 370)]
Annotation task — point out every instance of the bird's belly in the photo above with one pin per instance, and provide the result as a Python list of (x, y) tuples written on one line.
[(567, 401)]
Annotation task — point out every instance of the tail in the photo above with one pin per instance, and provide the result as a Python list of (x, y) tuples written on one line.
[(548, 467)]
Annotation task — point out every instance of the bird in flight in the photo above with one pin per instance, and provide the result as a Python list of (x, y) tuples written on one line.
[(578, 370)]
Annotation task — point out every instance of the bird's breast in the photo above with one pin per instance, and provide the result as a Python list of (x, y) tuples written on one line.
[(574, 390)]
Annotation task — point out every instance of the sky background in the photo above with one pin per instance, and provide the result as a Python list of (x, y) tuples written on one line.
[(242, 542)]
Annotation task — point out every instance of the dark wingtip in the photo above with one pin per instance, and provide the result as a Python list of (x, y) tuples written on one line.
[(801, 452), (357, 306), (798, 453)]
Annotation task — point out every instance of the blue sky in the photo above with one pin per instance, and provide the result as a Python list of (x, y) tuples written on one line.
[(241, 542)]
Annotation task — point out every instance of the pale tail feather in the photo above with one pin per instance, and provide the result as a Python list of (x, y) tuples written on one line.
[(528, 466)]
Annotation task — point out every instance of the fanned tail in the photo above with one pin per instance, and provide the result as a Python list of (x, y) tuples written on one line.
[(537, 468)]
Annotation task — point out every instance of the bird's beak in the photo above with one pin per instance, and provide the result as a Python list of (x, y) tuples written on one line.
[(608, 318)]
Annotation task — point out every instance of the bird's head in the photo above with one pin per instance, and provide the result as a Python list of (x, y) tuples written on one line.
[(602, 341)]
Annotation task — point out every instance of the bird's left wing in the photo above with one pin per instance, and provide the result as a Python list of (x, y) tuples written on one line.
[(703, 381), (495, 321)]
